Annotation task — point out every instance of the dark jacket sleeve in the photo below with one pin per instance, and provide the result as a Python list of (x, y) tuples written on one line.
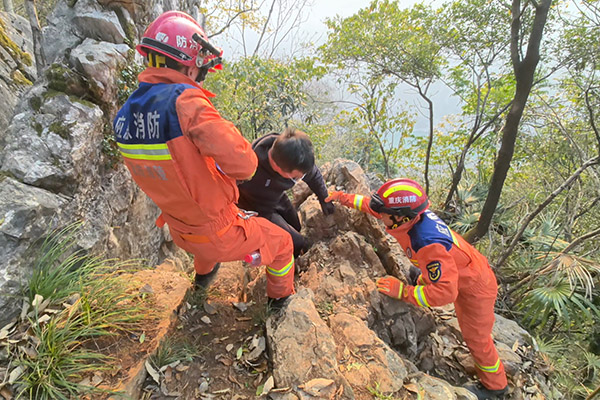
[(316, 183)]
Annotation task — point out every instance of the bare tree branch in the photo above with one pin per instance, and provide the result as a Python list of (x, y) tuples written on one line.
[(264, 29), (230, 21), (552, 264), (540, 207)]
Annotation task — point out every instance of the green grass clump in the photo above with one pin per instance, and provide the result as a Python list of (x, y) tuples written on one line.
[(91, 306), (171, 350)]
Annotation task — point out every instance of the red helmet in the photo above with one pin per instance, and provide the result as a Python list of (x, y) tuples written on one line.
[(400, 197), (177, 35)]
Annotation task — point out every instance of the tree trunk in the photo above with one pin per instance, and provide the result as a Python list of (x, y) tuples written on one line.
[(524, 71), (36, 31), (423, 95), (8, 6)]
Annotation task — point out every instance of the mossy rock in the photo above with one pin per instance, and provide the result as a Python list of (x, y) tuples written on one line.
[(61, 129), (6, 42), (38, 128), (63, 79), (35, 103), (19, 79)]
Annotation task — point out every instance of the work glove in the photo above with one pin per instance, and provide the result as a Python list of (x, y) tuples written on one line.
[(327, 207), (413, 275), (344, 199), (390, 286)]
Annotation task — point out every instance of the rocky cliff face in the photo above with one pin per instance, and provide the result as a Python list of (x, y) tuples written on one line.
[(17, 67), (57, 159)]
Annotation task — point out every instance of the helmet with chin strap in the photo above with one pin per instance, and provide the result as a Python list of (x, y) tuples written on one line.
[(178, 36), (400, 197)]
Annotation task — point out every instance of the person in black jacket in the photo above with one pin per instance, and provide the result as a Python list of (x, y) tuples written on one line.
[(283, 159)]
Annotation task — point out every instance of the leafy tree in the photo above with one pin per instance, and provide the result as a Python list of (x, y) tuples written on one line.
[(383, 40), (475, 36), (524, 67), (265, 95)]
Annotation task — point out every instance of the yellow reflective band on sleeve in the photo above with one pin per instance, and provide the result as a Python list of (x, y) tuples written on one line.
[(414, 262), (358, 200), (419, 294), (492, 369), (454, 239), (159, 151), (401, 187), (283, 271)]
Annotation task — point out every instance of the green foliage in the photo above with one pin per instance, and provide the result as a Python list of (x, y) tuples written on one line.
[(61, 361), (261, 96), (377, 394), (127, 80), (385, 39)]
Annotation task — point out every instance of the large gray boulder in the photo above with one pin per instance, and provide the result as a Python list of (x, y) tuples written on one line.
[(26, 214), (68, 26)]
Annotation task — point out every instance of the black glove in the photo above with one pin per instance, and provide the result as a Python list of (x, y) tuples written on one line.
[(327, 207), (413, 275)]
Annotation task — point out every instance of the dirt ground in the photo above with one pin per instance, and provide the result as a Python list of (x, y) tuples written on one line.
[(220, 371)]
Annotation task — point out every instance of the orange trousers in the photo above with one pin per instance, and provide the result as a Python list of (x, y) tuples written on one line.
[(475, 313), (243, 237)]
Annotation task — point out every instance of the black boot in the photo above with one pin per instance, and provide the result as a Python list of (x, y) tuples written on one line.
[(276, 304), (484, 393), (203, 281)]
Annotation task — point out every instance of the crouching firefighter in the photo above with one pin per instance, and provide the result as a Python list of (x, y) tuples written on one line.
[(452, 271), (187, 158)]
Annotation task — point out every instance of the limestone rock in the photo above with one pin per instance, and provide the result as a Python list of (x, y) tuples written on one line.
[(26, 214), (98, 23), (100, 61), (508, 332), (438, 389), (52, 149), (17, 65), (302, 346), (366, 358), (68, 26)]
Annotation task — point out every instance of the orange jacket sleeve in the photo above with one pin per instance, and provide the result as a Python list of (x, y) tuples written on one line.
[(439, 278), (214, 136), (356, 201)]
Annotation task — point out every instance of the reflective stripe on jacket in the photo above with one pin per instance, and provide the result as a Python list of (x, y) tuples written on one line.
[(181, 153), (447, 262)]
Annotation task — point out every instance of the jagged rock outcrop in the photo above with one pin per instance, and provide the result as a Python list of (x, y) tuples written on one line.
[(381, 346), (58, 163)]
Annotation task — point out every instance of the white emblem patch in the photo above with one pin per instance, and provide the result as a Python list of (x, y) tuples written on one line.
[(162, 37)]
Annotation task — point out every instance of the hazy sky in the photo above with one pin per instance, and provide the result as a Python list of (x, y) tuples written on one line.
[(314, 30)]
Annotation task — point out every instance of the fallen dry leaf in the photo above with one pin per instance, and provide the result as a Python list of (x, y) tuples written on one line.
[(268, 385), (153, 373)]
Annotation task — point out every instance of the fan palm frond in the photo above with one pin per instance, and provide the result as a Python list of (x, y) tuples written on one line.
[(577, 270), (465, 221)]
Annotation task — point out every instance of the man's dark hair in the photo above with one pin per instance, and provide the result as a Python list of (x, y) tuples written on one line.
[(293, 150)]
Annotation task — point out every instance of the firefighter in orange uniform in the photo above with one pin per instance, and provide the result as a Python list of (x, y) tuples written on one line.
[(453, 271), (187, 158)]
